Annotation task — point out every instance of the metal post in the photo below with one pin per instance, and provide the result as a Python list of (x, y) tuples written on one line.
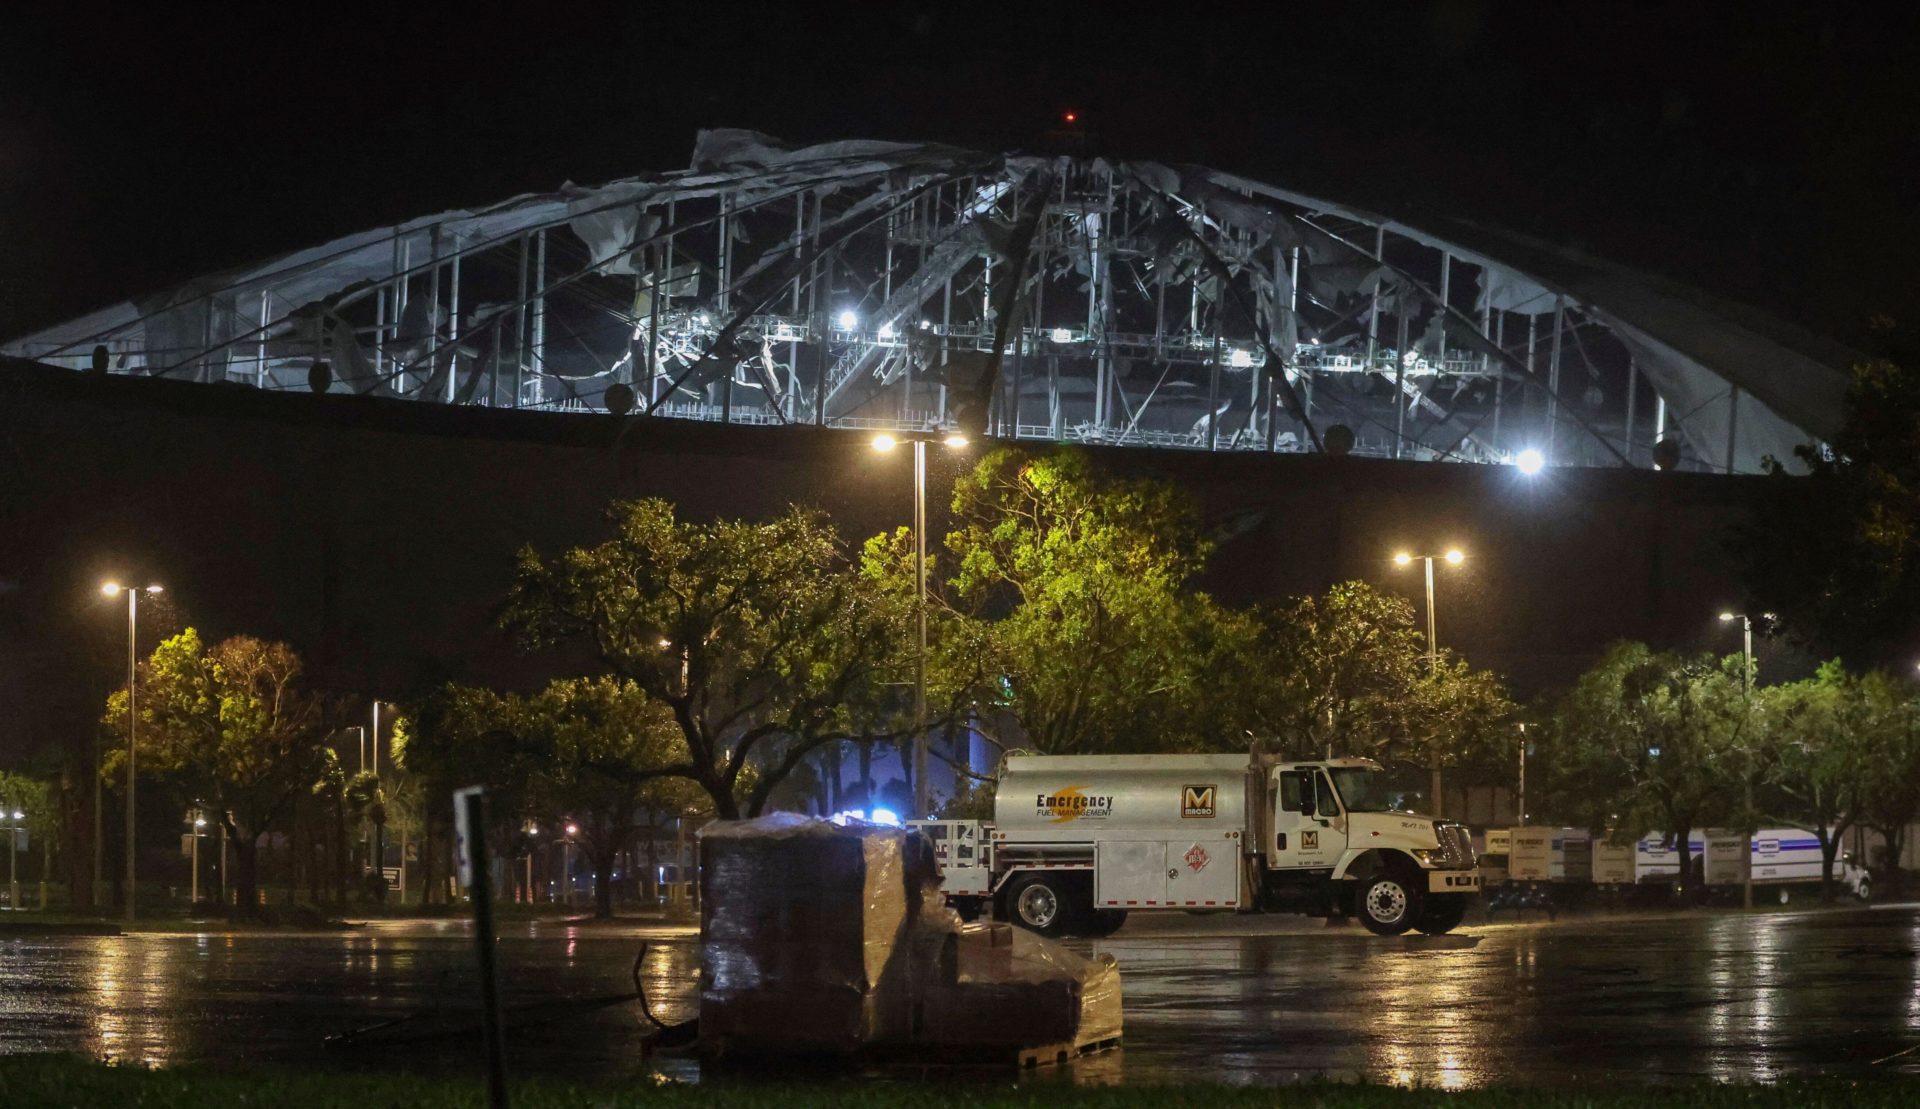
[(1500, 382), (1213, 385), (374, 739), (13, 864), (1373, 312), (1746, 780), (1553, 373), (483, 946), (1293, 340), (99, 826), (520, 325), (260, 366), (193, 827), (539, 347), (133, 724), (453, 323), (1433, 648), (1400, 390), (1521, 816), (1733, 424), (920, 793), (1633, 398)]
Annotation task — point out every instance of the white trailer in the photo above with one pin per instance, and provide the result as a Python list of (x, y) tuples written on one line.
[(1080, 841), (1561, 856), (1782, 858)]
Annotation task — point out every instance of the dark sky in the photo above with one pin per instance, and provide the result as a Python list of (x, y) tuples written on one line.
[(1764, 152)]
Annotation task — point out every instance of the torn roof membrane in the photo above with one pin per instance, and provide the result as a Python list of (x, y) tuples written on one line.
[(1148, 304)]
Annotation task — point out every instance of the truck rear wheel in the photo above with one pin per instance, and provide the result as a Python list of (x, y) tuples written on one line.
[(1106, 922), (1441, 914), (1044, 903), (1387, 903)]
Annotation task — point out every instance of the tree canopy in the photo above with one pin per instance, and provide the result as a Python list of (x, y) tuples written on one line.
[(758, 638), (232, 725)]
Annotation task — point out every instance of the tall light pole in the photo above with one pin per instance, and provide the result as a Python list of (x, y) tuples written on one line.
[(13, 862), (1453, 557), (1746, 779), (886, 443), (133, 718)]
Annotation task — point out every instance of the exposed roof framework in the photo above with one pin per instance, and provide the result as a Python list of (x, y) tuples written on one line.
[(899, 286)]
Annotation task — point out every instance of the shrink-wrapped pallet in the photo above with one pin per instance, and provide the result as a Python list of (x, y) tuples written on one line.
[(823, 939), (801, 927)]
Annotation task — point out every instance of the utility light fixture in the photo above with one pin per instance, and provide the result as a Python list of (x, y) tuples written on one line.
[(1530, 461), (849, 320), (884, 442)]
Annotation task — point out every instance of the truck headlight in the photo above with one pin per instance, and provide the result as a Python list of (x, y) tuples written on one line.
[(1423, 856)]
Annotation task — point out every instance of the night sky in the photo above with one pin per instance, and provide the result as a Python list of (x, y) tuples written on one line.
[(1766, 156)]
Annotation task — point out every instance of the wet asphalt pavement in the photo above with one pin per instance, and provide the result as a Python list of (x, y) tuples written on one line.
[(1247, 1000)]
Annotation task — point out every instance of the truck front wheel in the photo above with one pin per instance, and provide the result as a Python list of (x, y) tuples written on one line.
[(1441, 914), (1043, 903), (1387, 904)]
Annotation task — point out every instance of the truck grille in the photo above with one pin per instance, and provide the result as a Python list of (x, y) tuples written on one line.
[(1456, 846)]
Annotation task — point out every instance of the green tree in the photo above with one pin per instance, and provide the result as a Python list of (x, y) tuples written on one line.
[(233, 727), (1889, 772), (38, 805), (1338, 671), (1813, 735), (1074, 589), (460, 736), (602, 742), (749, 633), (1649, 741)]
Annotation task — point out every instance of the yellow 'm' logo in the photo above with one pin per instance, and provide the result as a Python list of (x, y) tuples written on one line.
[(1196, 802)]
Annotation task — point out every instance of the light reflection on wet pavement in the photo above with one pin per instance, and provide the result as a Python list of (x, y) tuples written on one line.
[(1662, 999)]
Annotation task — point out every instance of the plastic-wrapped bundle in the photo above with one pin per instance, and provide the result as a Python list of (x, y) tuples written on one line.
[(820, 938), (801, 921)]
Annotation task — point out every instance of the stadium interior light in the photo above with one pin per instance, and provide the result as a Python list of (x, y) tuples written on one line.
[(886, 331), (884, 442), (1062, 335), (849, 320), (1240, 359), (1530, 461)]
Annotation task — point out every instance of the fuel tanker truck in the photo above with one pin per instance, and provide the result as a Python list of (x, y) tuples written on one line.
[(1080, 841)]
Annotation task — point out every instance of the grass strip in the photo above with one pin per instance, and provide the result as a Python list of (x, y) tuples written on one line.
[(70, 1082)]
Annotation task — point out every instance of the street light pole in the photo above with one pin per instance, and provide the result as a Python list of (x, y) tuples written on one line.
[(13, 863), (1746, 779), (922, 802), (133, 724), (1454, 557), (920, 618)]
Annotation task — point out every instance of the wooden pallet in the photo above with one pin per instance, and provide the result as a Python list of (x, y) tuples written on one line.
[(1052, 1055)]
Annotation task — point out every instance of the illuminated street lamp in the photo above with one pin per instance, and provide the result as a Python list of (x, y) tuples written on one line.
[(114, 589), (1746, 780), (884, 442), (1453, 557)]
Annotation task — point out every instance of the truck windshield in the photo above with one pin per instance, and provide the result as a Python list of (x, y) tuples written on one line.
[(1362, 790)]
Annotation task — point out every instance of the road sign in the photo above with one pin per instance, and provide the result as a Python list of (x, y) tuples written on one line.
[(463, 834)]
